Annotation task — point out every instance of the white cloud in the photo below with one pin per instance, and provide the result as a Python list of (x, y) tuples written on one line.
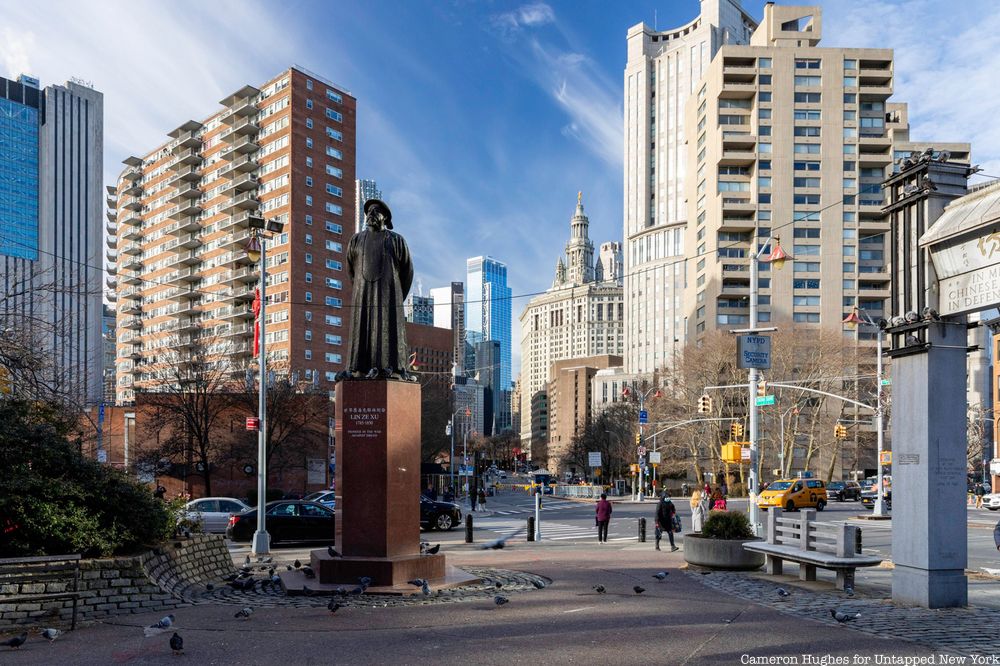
[(15, 49), (946, 75), (536, 14)]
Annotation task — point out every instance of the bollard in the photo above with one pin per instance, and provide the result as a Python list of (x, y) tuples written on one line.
[(531, 528), (642, 530), (857, 541), (468, 528)]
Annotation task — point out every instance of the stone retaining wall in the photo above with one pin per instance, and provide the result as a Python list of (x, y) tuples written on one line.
[(162, 578)]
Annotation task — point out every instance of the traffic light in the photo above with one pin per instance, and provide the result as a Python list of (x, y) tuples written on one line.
[(638, 438), (5, 383), (840, 431), (736, 430), (705, 404), (761, 388)]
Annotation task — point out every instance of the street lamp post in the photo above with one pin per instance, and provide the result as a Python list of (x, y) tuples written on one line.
[(854, 319), (257, 251), (642, 407)]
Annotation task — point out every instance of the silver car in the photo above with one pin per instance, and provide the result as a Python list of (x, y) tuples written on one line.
[(212, 513), (991, 501)]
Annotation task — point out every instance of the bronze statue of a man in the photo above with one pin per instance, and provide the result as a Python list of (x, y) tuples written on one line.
[(381, 271)]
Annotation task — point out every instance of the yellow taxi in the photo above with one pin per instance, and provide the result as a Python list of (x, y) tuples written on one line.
[(792, 494)]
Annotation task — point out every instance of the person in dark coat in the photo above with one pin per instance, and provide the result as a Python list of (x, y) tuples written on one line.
[(381, 272), (430, 493), (665, 511), (603, 518), (996, 535)]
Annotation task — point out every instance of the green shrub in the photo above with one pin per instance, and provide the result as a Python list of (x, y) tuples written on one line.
[(54, 501), (727, 525)]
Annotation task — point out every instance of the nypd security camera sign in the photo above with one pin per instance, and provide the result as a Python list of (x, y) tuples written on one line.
[(754, 351)]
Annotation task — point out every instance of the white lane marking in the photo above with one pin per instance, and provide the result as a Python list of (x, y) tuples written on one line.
[(577, 610)]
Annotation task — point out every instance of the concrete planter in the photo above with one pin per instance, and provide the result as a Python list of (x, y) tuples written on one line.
[(721, 553)]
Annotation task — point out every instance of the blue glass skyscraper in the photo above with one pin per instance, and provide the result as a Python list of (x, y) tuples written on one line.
[(19, 124), (489, 311)]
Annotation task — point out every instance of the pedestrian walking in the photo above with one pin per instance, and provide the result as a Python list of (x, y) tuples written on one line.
[(699, 509), (718, 501), (482, 500), (980, 491), (665, 511), (685, 488), (602, 518), (996, 535), (725, 490), (430, 492), (707, 490)]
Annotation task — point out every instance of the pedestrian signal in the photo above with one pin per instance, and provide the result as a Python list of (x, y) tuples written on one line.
[(761, 388)]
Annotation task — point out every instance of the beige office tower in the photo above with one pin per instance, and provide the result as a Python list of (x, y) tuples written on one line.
[(788, 139), (663, 70), (185, 283)]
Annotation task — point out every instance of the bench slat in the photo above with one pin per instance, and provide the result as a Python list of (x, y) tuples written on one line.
[(38, 558), (39, 597)]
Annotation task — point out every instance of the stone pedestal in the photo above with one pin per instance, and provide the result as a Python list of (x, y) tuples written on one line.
[(378, 488), (929, 523)]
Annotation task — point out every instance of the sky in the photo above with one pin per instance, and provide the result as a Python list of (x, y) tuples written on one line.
[(480, 120)]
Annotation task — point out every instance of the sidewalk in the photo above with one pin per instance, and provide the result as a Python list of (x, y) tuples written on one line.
[(686, 619)]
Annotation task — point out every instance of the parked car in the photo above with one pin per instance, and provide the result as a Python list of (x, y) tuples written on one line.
[(439, 515), (286, 520), (843, 491), (992, 501), (212, 513), (869, 496), (792, 494), (327, 498)]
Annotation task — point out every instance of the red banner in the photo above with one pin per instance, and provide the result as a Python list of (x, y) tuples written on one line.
[(256, 321)]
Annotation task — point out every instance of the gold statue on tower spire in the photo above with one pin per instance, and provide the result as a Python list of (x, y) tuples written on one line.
[(579, 197)]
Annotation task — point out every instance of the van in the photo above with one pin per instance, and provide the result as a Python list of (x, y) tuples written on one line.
[(792, 494)]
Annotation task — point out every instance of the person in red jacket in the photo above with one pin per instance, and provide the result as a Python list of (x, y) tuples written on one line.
[(603, 518)]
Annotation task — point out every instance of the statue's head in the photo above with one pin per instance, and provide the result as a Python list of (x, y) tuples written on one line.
[(377, 214)]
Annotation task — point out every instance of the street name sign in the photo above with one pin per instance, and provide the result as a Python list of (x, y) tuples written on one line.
[(764, 400), (754, 351)]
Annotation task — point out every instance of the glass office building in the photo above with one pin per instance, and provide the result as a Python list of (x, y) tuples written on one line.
[(19, 123), (488, 308)]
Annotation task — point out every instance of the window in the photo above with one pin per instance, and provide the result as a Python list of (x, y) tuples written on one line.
[(309, 220), (807, 166), (730, 120), (333, 209), (334, 97), (331, 152), (309, 297), (309, 200), (849, 267), (808, 115), (332, 339), (811, 301), (850, 82), (805, 266), (334, 171), (334, 190), (336, 135), (850, 183), (849, 250), (850, 98), (334, 265), (851, 132), (309, 103), (309, 142), (806, 317), (309, 123), (764, 198), (764, 63), (309, 84), (333, 320), (805, 284), (807, 98), (330, 357), (805, 250), (764, 148), (850, 149), (334, 246), (309, 315), (763, 181), (309, 162), (807, 81), (764, 96), (333, 227), (806, 199), (309, 239), (873, 106), (334, 283), (764, 79), (309, 277), (333, 302), (764, 130), (807, 63), (807, 148), (727, 186), (850, 166), (308, 354), (806, 131), (873, 122), (735, 103), (850, 64), (334, 115), (764, 114), (868, 255), (764, 165), (309, 181), (850, 115), (806, 233), (807, 182), (805, 216)]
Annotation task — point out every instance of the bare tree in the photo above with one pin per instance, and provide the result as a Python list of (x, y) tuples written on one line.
[(978, 429)]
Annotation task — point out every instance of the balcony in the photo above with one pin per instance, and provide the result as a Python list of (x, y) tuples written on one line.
[(112, 201), (130, 248), (111, 256), (738, 141), (186, 341), (130, 203), (245, 201), (112, 214), (130, 218), (186, 208), (237, 241), (188, 324), (243, 293), (187, 158), (186, 191), (243, 144), (132, 263), (180, 294), (184, 224), (241, 349), (188, 241), (737, 158), (133, 352), (186, 136), (737, 224), (737, 205), (111, 282), (738, 90), (241, 183), (183, 276), (243, 102), (186, 258), (234, 312), (241, 164), (131, 292), (111, 226), (131, 233), (111, 242), (240, 220), (246, 126), (130, 278), (874, 92), (133, 189), (874, 143), (243, 275), (130, 308), (238, 331), (187, 308), (187, 173), (131, 323)]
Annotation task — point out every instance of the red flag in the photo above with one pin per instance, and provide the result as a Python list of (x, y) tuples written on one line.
[(256, 321)]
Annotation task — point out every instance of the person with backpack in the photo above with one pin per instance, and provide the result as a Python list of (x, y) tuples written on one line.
[(665, 512), (602, 518)]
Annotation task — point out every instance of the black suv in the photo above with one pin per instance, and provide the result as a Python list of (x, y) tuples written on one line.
[(843, 491), (439, 515)]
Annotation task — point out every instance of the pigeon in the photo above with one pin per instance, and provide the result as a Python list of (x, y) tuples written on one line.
[(539, 585), (433, 550), (230, 578), (275, 579), (51, 634), (267, 560), (333, 606), (161, 626), (498, 585), (661, 575), (308, 571), (244, 613), (638, 589), (177, 643), (297, 564), (843, 618), (783, 593), (500, 600), (332, 552), (307, 591), (365, 581), (270, 572), (341, 592), (289, 567), (417, 582), (246, 562), (209, 587), (425, 589), (600, 589), (16, 642), (358, 590)]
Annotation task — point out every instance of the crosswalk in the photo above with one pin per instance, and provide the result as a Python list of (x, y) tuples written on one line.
[(547, 505), (551, 531)]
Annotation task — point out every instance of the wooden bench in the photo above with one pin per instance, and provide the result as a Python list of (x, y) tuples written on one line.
[(812, 544), (42, 570)]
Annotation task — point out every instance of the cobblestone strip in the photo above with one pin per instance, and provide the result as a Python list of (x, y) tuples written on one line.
[(967, 631), (264, 596)]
